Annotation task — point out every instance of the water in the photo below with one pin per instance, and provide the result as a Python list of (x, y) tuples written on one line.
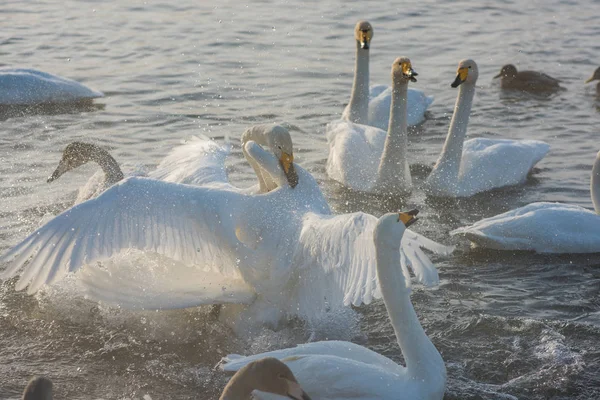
[(508, 325)]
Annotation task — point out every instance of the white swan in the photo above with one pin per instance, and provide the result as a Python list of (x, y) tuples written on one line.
[(371, 106), (465, 168), (542, 227), (368, 159), (282, 252), (342, 370), (23, 86)]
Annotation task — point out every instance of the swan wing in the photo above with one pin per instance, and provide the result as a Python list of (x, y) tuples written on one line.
[(381, 100), (199, 161), (541, 227), (335, 260), (493, 163), (20, 86), (152, 282), (190, 224), (354, 154)]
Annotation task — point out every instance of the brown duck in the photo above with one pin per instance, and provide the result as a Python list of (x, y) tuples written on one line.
[(527, 81)]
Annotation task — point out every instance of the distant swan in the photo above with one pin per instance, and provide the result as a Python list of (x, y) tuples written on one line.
[(369, 159), (371, 106), (528, 81), (38, 388), (333, 370), (276, 254), (269, 376), (542, 227), (465, 168), (22, 86)]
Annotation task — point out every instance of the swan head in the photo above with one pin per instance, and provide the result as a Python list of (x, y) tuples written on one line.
[(402, 70), (363, 33), (508, 71), (74, 155), (280, 143), (38, 388), (467, 72), (391, 227), (595, 76), (272, 376)]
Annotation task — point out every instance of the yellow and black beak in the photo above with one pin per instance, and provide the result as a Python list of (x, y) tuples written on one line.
[(591, 78), (287, 163), (408, 218), (461, 77), (409, 72), (365, 39)]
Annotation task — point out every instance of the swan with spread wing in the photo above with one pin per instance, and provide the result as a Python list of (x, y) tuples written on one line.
[(278, 253)]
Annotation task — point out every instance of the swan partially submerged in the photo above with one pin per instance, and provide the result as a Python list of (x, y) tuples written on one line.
[(334, 370), (279, 253), (465, 168), (25, 86), (542, 227)]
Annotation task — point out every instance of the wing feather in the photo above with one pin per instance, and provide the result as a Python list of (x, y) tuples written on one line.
[(194, 225)]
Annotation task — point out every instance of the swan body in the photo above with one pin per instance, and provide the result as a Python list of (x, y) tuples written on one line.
[(466, 168), (527, 81), (380, 100), (341, 370), (280, 253), (23, 86), (542, 227), (368, 159)]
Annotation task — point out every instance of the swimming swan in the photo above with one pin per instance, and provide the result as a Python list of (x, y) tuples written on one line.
[(369, 159), (281, 253), (342, 370), (371, 106), (542, 227), (465, 168), (22, 86), (267, 375)]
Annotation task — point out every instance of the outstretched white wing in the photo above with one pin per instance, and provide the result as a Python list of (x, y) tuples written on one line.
[(336, 260), (194, 225), (199, 161)]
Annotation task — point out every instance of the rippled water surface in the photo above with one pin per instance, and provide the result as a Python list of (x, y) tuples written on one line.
[(508, 325)]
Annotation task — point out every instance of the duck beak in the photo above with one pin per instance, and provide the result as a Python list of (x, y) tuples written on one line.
[(287, 163), (295, 391), (591, 78), (498, 76), (408, 218), (61, 169)]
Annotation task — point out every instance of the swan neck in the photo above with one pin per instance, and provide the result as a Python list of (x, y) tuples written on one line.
[(448, 164), (237, 389), (595, 185), (393, 171), (423, 361), (109, 166), (258, 136), (359, 100)]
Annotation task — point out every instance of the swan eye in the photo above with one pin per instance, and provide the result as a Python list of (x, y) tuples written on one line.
[(469, 67), (280, 376), (279, 147)]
